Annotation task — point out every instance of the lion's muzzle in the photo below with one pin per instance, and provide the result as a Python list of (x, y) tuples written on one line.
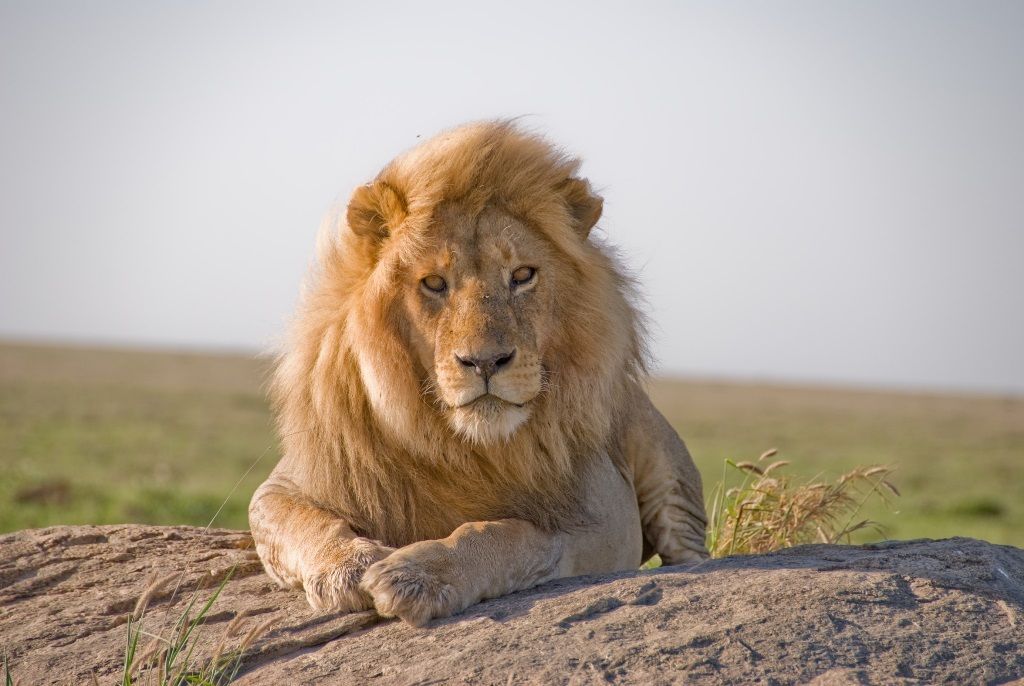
[(488, 389), (486, 366)]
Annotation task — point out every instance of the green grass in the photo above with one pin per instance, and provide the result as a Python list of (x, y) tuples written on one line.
[(91, 436), (106, 437), (169, 659), (959, 460)]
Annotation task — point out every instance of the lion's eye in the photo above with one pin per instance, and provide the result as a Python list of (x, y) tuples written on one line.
[(523, 276), (434, 283)]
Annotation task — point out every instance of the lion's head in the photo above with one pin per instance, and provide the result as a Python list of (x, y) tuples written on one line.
[(463, 315), (478, 302)]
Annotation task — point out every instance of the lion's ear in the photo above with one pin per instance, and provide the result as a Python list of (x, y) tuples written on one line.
[(584, 205), (375, 210)]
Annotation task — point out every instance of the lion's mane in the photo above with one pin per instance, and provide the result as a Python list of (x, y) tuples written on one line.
[(357, 426)]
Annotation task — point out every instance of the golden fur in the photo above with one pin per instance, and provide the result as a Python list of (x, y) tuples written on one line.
[(403, 469), (378, 444)]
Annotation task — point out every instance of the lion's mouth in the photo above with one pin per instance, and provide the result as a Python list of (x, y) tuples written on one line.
[(489, 401), (488, 418)]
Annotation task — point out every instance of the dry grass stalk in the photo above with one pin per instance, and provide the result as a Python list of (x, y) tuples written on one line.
[(151, 655), (233, 627), (255, 633), (155, 585), (769, 511), (220, 661)]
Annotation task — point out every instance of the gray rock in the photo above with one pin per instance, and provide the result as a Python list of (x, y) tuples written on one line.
[(948, 611)]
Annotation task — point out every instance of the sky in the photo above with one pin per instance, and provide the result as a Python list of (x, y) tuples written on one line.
[(808, 192)]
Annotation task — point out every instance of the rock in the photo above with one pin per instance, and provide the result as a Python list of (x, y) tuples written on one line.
[(898, 612)]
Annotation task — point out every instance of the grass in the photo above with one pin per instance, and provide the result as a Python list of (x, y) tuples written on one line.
[(168, 660), (106, 436), (769, 510), (957, 458)]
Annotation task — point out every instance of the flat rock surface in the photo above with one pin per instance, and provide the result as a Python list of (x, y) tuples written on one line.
[(948, 611)]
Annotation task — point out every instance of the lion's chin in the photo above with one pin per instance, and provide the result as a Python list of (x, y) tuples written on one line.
[(488, 420)]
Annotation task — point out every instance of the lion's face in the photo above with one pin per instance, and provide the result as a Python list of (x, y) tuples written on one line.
[(465, 277), (479, 300)]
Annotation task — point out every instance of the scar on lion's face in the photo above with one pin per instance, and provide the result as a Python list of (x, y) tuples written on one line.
[(480, 305)]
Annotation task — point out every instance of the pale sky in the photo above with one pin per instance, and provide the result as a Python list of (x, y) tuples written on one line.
[(829, 192)]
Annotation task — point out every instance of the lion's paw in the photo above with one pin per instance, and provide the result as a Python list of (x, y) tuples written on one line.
[(337, 588), (412, 584), (685, 557)]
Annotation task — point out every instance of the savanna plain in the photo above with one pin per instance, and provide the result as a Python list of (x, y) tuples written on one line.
[(97, 436)]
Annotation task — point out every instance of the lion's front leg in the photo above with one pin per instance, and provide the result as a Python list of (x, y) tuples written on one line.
[(668, 486), (305, 546), (332, 581), (481, 560), (478, 560)]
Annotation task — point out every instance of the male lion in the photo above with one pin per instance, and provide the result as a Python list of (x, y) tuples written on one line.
[(461, 404)]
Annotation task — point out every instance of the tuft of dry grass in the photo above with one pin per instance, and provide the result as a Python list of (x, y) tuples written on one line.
[(768, 510)]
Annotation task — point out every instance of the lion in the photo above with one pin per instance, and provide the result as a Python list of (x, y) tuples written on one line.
[(461, 402)]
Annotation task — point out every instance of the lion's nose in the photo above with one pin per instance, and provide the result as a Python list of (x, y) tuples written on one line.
[(487, 366)]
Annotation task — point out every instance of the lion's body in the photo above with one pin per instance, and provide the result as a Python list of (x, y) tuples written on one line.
[(395, 436)]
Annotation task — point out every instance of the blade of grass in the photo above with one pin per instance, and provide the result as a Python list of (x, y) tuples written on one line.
[(131, 646), (209, 603), (187, 636)]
